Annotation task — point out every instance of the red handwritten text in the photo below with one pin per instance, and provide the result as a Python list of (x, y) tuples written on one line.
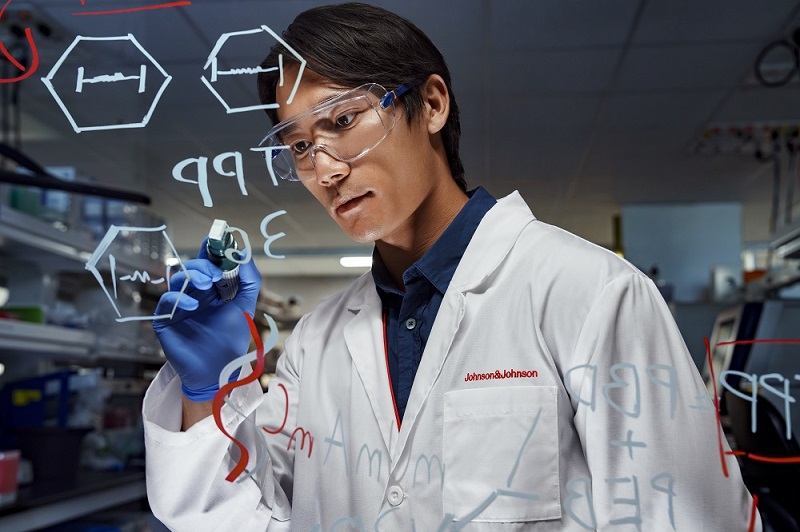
[(303, 432), (131, 9), (27, 72)]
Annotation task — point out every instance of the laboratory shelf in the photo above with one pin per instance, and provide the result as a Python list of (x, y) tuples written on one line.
[(20, 336), (787, 242), (45, 339), (129, 356), (31, 231), (34, 238), (48, 503), (773, 281)]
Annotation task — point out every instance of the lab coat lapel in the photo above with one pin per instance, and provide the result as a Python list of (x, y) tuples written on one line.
[(364, 339), (491, 243), (443, 332)]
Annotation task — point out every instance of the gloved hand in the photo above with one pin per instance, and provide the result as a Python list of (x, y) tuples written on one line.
[(205, 332)]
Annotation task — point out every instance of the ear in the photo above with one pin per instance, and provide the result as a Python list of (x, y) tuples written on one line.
[(436, 102)]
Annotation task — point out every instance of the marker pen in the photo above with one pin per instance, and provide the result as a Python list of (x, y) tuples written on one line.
[(220, 239)]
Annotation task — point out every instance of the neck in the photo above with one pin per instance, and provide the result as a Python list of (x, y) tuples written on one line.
[(408, 243)]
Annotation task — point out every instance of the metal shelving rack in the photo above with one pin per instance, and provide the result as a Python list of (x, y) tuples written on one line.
[(25, 236), (34, 239)]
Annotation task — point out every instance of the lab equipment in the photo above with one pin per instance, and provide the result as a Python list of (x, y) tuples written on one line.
[(735, 323), (9, 466)]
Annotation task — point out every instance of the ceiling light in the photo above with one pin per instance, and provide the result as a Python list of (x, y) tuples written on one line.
[(356, 262)]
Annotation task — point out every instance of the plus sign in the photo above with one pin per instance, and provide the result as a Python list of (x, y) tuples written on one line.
[(629, 443)]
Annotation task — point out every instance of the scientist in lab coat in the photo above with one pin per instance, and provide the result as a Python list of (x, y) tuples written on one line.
[(491, 371)]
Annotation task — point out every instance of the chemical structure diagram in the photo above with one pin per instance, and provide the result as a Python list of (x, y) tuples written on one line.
[(103, 259), (212, 65), (138, 88), (132, 88)]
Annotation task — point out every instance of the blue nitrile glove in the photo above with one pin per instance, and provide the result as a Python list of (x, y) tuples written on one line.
[(205, 332)]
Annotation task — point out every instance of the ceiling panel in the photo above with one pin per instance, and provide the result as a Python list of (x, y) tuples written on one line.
[(517, 25), (469, 73), (536, 158), (682, 67), (547, 72), (684, 109), (521, 113), (612, 143), (212, 18), (458, 28), (683, 21)]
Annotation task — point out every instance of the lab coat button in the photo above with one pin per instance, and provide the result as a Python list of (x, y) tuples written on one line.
[(411, 323), (395, 496)]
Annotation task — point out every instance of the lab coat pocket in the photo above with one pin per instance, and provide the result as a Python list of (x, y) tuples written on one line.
[(501, 454)]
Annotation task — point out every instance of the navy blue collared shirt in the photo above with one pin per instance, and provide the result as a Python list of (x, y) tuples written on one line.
[(410, 314)]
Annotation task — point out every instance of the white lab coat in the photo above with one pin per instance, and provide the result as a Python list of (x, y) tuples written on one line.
[(555, 393)]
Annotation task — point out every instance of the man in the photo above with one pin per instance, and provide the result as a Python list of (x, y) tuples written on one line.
[(491, 371)]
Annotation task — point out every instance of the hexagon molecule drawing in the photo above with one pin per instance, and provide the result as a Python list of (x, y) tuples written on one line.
[(135, 84), (212, 65), (104, 259)]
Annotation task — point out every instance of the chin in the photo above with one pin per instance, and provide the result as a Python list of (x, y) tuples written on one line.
[(365, 234), (366, 237)]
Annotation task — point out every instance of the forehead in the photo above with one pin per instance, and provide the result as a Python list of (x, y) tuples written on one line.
[(313, 89)]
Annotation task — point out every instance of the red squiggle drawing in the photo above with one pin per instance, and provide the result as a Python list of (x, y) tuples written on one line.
[(219, 400), (768, 459), (131, 9), (752, 526), (285, 412), (303, 432), (34, 52)]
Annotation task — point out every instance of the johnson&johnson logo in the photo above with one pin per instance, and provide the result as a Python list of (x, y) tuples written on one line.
[(505, 374)]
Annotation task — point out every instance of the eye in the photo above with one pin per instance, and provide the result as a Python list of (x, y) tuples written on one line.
[(345, 120), (300, 147)]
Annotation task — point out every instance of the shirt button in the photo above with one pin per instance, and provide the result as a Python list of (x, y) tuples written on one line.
[(411, 323), (395, 496)]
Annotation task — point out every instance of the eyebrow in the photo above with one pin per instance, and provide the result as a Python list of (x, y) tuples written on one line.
[(288, 130), (291, 128)]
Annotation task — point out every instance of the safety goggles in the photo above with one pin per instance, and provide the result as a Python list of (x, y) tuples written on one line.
[(346, 127)]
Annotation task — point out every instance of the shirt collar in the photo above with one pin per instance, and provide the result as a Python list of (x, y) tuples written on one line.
[(439, 263)]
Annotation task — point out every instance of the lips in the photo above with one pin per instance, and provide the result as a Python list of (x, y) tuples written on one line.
[(346, 204)]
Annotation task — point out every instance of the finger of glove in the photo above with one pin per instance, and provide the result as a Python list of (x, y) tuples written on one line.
[(200, 272), (171, 301), (249, 286), (248, 272)]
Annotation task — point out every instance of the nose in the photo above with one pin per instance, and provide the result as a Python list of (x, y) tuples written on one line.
[(327, 167)]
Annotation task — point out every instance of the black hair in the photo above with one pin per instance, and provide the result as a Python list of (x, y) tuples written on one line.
[(352, 44)]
